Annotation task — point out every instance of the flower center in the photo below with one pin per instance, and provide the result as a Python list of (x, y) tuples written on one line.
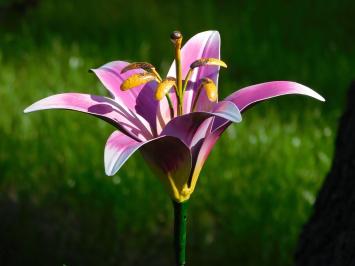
[(178, 85)]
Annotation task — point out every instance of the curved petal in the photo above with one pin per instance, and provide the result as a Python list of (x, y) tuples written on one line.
[(168, 156), (203, 149), (202, 45), (227, 110), (170, 159), (111, 77), (250, 95), (185, 127), (139, 99), (118, 149), (102, 107), (208, 134), (263, 91)]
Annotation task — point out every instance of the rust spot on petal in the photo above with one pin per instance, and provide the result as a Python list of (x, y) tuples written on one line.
[(137, 80), (208, 62)]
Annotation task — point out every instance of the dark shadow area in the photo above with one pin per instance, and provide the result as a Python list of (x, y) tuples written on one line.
[(329, 236), (55, 234)]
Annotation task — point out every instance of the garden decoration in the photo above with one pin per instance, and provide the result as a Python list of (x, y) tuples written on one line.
[(174, 122)]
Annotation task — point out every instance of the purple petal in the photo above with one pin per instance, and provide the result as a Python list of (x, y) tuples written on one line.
[(118, 149), (170, 159), (139, 99), (204, 44), (227, 110), (111, 77), (102, 107), (263, 91), (168, 156), (203, 149), (185, 127), (250, 95), (208, 134)]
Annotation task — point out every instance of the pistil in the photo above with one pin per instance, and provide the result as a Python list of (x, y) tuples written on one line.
[(165, 85), (176, 38)]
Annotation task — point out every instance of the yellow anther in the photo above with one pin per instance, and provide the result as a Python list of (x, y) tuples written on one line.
[(164, 87), (143, 65), (137, 80), (211, 91), (208, 62), (210, 88)]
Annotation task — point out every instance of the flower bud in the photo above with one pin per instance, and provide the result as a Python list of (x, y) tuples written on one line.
[(137, 80)]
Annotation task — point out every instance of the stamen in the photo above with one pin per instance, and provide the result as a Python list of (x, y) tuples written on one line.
[(199, 63), (210, 88), (164, 87), (137, 80), (143, 65), (211, 91), (208, 62)]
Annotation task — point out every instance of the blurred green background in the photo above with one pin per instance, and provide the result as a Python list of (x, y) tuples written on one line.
[(258, 186)]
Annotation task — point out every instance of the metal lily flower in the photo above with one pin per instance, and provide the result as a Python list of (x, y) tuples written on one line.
[(174, 122)]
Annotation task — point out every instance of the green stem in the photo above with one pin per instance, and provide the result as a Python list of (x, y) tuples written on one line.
[(171, 107), (187, 78), (180, 221), (196, 98)]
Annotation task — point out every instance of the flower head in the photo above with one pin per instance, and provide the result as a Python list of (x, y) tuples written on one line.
[(174, 122)]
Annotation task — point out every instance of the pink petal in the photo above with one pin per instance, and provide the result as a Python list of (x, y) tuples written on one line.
[(185, 127), (102, 107), (208, 134), (111, 77), (204, 44), (227, 110), (203, 148), (263, 91), (168, 157), (250, 95), (118, 149), (139, 99)]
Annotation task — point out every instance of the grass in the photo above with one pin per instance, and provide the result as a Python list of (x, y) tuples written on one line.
[(258, 185)]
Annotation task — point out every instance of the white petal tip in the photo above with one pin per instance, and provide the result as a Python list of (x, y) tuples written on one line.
[(109, 169), (229, 111), (28, 110), (236, 119), (317, 96), (109, 173)]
